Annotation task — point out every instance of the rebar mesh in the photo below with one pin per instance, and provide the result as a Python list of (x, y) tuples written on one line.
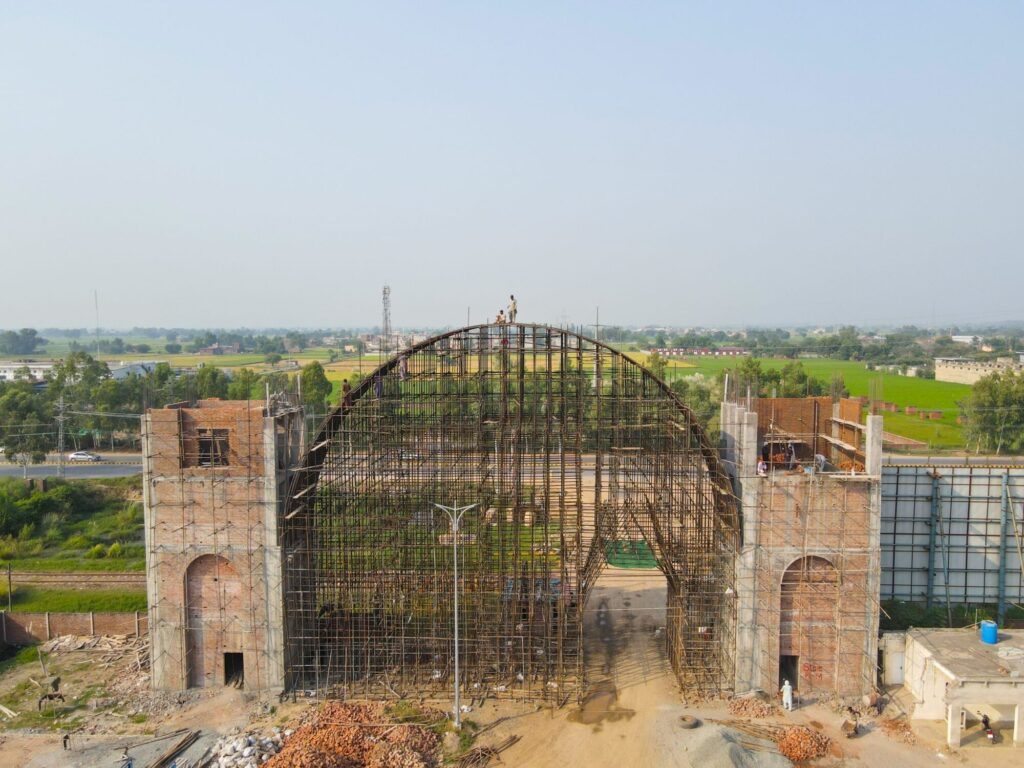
[(570, 451)]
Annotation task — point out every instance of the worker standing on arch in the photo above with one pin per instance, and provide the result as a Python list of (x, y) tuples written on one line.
[(513, 309)]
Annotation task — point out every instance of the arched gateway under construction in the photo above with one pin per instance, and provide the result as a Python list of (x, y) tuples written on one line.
[(569, 450)]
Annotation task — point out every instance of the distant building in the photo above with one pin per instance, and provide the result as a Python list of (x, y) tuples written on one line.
[(10, 370), (960, 370), (221, 349), (133, 368), (701, 351), (966, 339)]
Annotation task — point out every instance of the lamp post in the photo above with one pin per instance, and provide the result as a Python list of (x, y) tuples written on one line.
[(455, 517)]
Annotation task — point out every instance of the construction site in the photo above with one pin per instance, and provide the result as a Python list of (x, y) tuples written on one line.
[(517, 521)]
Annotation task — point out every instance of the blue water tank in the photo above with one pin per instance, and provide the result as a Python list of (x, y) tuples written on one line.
[(989, 632)]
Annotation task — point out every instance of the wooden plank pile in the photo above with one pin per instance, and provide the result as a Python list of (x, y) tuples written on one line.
[(111, 648)]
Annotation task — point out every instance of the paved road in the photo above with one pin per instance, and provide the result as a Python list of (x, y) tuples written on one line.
[(72, 471)]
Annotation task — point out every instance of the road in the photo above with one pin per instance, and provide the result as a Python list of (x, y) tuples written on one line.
[(72, 471)]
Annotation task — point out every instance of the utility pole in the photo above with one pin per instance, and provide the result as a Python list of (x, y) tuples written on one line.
[(455, 517), (385, 330), (60, 436)]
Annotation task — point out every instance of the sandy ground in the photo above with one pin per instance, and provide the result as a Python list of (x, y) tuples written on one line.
[(631, 717)]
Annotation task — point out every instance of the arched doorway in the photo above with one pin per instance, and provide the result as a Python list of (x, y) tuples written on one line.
[(570, 452), (808, 633), (214, 637)]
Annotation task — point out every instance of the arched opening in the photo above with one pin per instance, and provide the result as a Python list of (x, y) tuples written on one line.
[(572, 455), (214, 637), (808, 631)]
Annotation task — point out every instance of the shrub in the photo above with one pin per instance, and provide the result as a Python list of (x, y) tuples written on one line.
[(8, 548), (78, 541), (97, 552), (115, 550)]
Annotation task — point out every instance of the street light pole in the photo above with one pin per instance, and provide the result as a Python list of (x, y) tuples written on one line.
[(455, 517)]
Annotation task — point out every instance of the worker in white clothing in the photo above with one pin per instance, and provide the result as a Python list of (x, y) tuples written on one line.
[(787, 696)]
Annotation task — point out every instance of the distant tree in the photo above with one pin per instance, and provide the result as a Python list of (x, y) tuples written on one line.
[(273, 358), (23, 342), (211, 382), (657, 365), (142, 349), (315, 386), (172, 348), (26, 428), (700, 397), (243, 384), (993, 414), (276, 381)]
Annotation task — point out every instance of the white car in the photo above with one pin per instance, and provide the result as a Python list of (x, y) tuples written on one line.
[(84, 456)]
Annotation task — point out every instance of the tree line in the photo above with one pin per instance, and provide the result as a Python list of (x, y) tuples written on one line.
[(95, 403)]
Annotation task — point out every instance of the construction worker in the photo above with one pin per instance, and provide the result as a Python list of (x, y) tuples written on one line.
[(500, 319), (787, 696), (513, 309)]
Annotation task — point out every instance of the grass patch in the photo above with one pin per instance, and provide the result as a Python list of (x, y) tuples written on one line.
[(35, 600), (52, 564), (898, 614), (80, 525), (12, 657)]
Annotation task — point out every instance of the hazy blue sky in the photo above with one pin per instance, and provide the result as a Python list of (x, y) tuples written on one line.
[(258, 164)]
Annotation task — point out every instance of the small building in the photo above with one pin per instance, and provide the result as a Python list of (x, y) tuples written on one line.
[(11, 370), (961, 370), (955, 677), (139, 368)]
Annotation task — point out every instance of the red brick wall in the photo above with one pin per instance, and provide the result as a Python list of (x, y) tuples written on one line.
[(29, 628)]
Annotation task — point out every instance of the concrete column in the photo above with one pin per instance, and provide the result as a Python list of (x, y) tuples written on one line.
[(873, 446), (953, 715), (1018, 725)]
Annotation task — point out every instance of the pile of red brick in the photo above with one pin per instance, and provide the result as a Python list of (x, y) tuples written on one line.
[(342, 735), (799, 743)]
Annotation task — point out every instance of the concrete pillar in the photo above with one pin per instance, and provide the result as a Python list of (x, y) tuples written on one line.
[(1018, 725), (873, 446), (953, 714)]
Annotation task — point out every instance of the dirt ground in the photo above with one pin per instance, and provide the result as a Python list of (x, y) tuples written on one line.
[(633, 718), (630, 719)]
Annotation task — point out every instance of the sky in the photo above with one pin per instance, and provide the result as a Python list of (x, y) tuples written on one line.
[(716, 164)]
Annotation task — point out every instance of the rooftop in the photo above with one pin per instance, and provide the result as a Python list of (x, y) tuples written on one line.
[(962, 653)]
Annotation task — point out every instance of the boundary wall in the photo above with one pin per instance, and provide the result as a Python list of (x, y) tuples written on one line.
[(953, 533)]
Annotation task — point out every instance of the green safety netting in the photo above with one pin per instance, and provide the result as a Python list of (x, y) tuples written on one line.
[(629, 554)]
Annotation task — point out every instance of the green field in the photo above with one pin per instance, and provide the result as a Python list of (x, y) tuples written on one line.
[(902, 390), (34, 600)]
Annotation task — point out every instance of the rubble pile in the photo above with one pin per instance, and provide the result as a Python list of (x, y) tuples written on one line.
[(344, 735), (750, 706), (898, 728), (799, 743), (247, 750)]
